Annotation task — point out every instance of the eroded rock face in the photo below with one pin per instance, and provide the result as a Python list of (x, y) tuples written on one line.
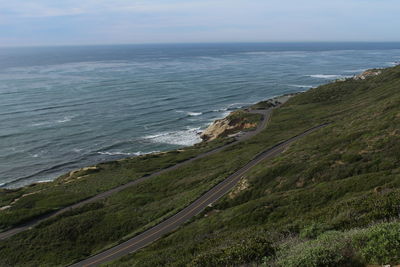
[(225, 127), (77, 174), (366, 74)]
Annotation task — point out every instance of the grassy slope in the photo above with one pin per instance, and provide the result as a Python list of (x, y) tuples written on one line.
[(52, 196), (340, 178), (334, 190)]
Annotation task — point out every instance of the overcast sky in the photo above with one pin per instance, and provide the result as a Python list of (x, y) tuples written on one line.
[(66, 22)]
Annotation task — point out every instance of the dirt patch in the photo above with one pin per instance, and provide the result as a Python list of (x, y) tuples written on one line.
[(240, 187)]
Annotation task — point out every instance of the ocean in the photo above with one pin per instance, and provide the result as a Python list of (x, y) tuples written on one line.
[(63, 108)]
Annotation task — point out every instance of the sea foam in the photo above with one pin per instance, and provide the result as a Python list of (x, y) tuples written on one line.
[(190, 113), (184, 137), (326, 76), (118, 153)]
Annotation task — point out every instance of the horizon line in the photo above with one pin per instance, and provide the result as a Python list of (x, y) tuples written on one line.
[(201, 43)]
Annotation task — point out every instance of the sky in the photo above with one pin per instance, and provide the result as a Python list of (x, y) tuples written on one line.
[(80, 22)]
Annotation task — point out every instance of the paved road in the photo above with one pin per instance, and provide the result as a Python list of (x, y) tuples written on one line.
[(193, 209), (6, 234)]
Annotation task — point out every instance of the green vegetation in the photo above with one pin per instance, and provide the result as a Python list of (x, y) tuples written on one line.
[(264, 104), (311, 206), (243, 121), (39, 199), (241, 116), (378, 244)]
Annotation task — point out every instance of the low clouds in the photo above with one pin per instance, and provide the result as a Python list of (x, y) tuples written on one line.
[(48, 22), (47, 8)]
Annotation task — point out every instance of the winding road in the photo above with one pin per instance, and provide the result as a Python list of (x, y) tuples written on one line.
[(190, 211), (246, 135)]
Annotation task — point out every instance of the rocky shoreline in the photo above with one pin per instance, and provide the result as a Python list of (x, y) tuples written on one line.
[(241, 120)]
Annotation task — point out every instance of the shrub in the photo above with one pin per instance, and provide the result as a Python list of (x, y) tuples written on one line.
[(380, 244), (312, 230), (330, 249), (250, 250)]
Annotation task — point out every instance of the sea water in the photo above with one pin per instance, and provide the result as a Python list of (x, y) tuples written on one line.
[(63, 108)]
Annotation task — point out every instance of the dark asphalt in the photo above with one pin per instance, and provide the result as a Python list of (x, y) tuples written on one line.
[(26, 226), (193, 209)]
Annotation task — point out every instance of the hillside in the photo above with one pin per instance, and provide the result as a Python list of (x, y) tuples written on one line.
[(332, 198)]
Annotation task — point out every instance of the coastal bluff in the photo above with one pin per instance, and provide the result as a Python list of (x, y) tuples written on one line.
[(241, 120), (236, 121)]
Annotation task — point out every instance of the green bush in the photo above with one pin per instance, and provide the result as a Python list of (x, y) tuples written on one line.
[(250, 250), (380, 244), (313, 230), (330, 249)]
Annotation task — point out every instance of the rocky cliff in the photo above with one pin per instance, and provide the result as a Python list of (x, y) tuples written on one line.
[(366, 74), (235, 122)]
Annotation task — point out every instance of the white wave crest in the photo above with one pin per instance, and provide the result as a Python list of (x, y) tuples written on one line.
[(49, 123), (220, 110), (65, 119), (189, 113), (118, 153), (326, 76), (184, 137), (44, 181), (40, 123), (355, 71), (194, 113)]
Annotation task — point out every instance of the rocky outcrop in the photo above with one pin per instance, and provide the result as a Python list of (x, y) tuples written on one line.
[(242, 119), (78, 174), (235, 122), (366, 74), (242, 185)]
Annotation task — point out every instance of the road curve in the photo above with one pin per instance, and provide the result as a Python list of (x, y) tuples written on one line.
[(190, 211), (28, 225)]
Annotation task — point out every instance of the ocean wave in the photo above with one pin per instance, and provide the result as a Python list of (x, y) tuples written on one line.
[(44, 181), (239, 105), (183, 137), (190, 113), (24, 179), (194, 113), (118, 153), (47, 123), (75, 67), (49, 108), (65, 119), (355, 71), (225, 114), (221, 116), (220, 110), (327, 76), (300, 86), (393, 63), (40, 123)]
